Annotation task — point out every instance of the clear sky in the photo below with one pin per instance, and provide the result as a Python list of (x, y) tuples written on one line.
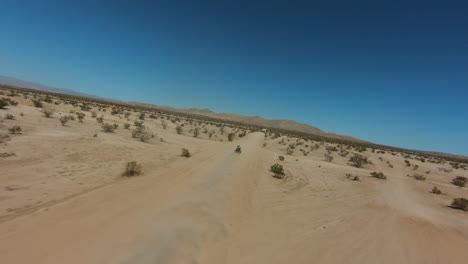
[(391, 72)]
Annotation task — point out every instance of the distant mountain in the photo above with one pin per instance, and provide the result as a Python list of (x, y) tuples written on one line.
[(37, 86), (257, 120)]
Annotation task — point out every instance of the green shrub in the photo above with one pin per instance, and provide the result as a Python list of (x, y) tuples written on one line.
[(278, 171), (132, 169)]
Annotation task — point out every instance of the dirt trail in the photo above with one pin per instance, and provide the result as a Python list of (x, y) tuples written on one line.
[(222, 207)]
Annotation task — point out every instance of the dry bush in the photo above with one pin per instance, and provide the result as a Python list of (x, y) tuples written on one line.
[(436, 190), (108, 128), (460, 181), (196, 132), (460, 203), (15, 130), (37, 104), (163, 124), (186, 153), (80, 116), (142, 116), (132, 169), (100, 120), (64, 120), (419, 177), (328, 157), (3, 102), (289, 151), (126, 125), (231, 136), (179, 129), (281, 158), (138, 123), (93, 114), (47, 113), (358, 160), (9, 117), (278, 171), (378, 175), (142, 133)]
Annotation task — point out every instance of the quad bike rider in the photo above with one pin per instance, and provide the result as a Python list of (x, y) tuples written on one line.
[(238, 149)]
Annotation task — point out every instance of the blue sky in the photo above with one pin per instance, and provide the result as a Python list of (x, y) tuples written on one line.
[(394, 72)]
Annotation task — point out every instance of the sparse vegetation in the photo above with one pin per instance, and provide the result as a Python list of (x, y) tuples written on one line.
[(281, 158), (278, 171), (142, 133), (126, 125), (436, 190), (47, 113), (132, 169), (186, 153), (419, 177), (460, 203), (179, 129), (196, 132), (9, 117), (64, 120), (37, 103), (15, 130), (358, 160), (460, 181), (328, 157), (231, 136), (378, 175), (108, 128)]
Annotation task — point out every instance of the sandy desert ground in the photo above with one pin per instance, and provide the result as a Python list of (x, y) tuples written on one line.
[(63, 198)]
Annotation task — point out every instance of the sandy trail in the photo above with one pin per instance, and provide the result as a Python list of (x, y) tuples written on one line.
[(222, 207)]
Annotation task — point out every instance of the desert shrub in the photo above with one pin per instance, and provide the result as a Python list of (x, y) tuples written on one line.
[(163, 124), (459, 181), (138, 123), (186, 153), (281, 158), (460, 203), (289, 151), (126, 125), (278, 171), (415, 167), (3, 103), (15, 130), (100, 119), (328, 157), (358, 160), (436, 190), (37, 103), (231, 136), (407, 163), (64, 120), (132, 169), (196, 132), (47, 113), (85, 107), (9, 116), (80, 116), (93, 114), (70, 117), (142, 116), (378, 175), (179, 129), (127, 114), (355, 178), (21, 114), (419, 177), (142, 133), (108, 128), (448, 170)]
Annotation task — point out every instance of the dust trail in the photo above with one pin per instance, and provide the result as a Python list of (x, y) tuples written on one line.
[(181, 230)]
